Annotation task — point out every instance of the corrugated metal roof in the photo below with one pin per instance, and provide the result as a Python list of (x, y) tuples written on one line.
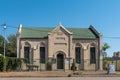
[(37, 32)]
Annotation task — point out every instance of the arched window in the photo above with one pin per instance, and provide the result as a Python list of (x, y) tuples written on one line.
[(92, 53), (78, 53), (27, 52), (42, 52)]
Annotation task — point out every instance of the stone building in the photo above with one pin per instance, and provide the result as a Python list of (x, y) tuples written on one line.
[(116, 54), (60, 46)]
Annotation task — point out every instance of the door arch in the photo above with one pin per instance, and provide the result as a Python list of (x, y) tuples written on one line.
[(60, 61)]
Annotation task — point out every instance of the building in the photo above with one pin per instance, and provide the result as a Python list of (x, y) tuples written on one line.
[(61, 46), (116, 54)]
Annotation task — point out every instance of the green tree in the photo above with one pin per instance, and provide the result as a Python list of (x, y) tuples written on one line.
[(1, 44), (11, 45), (105, 61), (105, 47)]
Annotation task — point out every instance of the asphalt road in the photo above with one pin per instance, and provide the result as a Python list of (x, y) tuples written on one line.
[(63, 78)]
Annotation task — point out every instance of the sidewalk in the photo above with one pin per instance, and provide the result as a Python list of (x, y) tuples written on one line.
[(97, 74), (59, 74)]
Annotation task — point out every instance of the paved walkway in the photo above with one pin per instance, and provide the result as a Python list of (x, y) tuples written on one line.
[(59, 74), (61, 78)]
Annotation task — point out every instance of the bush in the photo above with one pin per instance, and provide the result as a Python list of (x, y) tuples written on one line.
[(1, 63), (49, 65), (73, 67), (69, 75), (9, 63), (105, 64)]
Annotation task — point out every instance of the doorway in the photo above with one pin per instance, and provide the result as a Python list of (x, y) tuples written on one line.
[(60, 61)]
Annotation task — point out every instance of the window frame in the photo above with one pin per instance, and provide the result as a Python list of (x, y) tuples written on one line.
[(27, 54), (42, 57), (92, 55), (78, 54)]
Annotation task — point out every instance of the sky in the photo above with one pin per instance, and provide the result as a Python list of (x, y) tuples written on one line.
[(104, 15)]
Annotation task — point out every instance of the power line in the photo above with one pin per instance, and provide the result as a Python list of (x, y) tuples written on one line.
[(33, 29), (112, 37), (10, 26)]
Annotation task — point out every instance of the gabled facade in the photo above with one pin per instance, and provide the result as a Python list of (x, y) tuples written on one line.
[(61, 46)]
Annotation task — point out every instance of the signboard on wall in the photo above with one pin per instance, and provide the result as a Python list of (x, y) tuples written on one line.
[(67, 61), (53, 60)]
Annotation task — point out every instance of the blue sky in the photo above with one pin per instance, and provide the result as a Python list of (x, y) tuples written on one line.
[(104, 15)]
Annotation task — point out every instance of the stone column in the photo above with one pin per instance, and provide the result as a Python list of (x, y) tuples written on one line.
[(30, 55), (85, 55), (18, 45), (70, 50), (18, 40), (101, 57)]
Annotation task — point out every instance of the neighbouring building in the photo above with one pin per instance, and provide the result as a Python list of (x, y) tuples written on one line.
[(61, 46), (116, 54)]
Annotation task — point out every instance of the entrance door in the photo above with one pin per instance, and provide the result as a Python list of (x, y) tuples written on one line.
[(60, 61)]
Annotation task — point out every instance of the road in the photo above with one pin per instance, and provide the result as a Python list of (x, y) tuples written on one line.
[(63, 78)]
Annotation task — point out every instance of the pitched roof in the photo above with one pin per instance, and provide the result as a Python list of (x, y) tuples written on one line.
[(35, 32)]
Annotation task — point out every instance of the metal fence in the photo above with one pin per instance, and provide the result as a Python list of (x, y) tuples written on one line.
[(54, 64), (61, 64)]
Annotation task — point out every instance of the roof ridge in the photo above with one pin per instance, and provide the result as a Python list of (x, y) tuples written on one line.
[(55, 27)]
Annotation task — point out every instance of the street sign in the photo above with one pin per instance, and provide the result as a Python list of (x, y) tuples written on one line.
[(111, 68)]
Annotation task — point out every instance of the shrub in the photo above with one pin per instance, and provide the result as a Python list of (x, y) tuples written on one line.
[(105, 63), (1, 63), (69, 75), (9, 63), (49, 65), (73, 67)]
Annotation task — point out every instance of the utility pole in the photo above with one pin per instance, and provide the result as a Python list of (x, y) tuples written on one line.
[(4, 64), (4, 26)]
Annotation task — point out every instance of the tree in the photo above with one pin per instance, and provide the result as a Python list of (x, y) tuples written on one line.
[(105, 47), (11, 45), (1, 44)]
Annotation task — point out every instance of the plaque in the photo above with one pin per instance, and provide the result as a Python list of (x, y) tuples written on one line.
[(53, 60), (67, 61)]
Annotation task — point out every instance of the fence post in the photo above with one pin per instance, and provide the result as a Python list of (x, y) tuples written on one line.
[(116, 64), (40, 64)]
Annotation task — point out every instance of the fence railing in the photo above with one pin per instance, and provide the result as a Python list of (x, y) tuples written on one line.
[(49, 64)]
